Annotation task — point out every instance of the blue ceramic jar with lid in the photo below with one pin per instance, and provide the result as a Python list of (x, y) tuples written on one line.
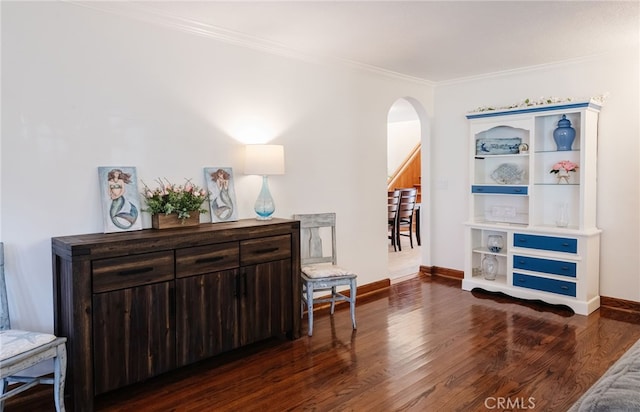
[(564, 134)]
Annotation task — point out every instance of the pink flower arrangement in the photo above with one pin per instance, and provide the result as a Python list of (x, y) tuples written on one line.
[(170, 198), (566, 165)]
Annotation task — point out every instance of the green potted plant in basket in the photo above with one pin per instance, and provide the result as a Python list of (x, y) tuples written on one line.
[(173, 205)]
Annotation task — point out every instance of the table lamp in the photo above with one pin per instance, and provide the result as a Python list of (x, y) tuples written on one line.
[(264, 160)]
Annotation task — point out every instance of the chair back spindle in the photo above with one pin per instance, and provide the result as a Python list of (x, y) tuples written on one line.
[(393, 205), (311, 248), (5, 322)]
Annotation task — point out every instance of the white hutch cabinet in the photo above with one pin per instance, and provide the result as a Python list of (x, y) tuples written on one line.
[(546, 221)]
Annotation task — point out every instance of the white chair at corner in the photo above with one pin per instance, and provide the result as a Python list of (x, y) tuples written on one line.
[(21, 349), (320, 272)]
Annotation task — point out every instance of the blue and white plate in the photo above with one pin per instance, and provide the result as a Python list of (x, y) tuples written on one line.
[(493, 146)]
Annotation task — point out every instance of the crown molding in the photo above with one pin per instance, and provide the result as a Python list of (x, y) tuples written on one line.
[(520, 70), (145, 12)]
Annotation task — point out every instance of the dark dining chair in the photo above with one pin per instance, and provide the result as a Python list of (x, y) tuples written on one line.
[(393, 204), (405, 215)]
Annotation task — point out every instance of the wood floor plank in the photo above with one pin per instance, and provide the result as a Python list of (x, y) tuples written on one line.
[(423, 345)]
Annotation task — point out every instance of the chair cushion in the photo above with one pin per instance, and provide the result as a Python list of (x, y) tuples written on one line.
[(14, 342), (325, 270)]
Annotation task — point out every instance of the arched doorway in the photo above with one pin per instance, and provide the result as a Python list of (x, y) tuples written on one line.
[(406, 144)]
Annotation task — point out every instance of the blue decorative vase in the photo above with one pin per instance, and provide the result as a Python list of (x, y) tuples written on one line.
[(264, 205), (564, 134)]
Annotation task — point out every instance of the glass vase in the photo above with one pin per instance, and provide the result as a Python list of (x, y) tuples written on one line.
[(490, 267), (562, 215)]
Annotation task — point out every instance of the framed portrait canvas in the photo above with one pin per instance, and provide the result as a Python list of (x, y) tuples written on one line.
[(222, 198), (120, 198)]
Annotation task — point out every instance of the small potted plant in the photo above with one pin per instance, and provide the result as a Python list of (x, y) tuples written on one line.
[(562, 169), (174, 205)]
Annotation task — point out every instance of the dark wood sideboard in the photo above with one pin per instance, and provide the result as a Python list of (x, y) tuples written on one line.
[(137, 304)]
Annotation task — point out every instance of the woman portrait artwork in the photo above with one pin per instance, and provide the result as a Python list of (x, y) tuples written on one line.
[(120, 199), (222, 200)]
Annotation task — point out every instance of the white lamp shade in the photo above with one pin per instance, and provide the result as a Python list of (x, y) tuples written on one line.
[(264, 159)]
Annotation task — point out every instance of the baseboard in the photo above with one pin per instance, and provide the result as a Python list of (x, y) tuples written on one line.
[(622, 305), (372, 288), (405, 278), (442, 272), (607, 303), (363, 292)]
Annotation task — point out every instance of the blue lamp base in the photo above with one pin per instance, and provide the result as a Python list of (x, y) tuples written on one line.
[(264, 206)]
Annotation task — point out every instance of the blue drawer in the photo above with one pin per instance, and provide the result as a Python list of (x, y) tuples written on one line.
[(500, 190), (556, 244), (548, 285), (556, 267)]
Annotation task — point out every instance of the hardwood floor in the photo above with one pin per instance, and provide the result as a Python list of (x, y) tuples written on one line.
[(423, 345)]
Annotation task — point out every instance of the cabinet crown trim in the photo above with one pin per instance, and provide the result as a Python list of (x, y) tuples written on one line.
[(534, 109)]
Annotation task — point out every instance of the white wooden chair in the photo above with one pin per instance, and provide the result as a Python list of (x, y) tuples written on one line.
[(319, 269), (21, 349)]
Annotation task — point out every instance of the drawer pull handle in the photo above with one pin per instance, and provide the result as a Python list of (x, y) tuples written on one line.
[(522, 262), (135, 271), (480, 189), (565, 244), (210, 259), (517, 190), (564, 287), (267, 250), (565, 268)]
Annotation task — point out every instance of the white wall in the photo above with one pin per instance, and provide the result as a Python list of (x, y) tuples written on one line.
[(82, 89), (618, 153), (403, 136)]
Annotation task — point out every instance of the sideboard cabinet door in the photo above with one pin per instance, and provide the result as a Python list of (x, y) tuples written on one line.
[(206, 315), (133, 335), (265, 305)]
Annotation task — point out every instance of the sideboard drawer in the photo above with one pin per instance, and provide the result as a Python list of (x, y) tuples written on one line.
[(207, 259), (557, 267), (556, 244), (265, 249), (499, 190), (548, 285), (129, 271)]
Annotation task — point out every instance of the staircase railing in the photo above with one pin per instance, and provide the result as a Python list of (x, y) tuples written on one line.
[(409, 172)]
